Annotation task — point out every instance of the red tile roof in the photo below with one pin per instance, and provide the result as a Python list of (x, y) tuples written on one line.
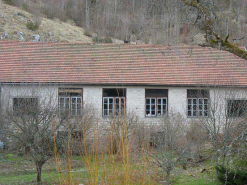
[(29, 62)]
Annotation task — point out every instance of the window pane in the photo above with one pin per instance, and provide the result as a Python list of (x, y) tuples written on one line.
[(148, 113), (156, 93), (201, 101), (159, 101), (194, 113), (200, 113), (189, 101), (189, 113), (236, 108), (164, 109)]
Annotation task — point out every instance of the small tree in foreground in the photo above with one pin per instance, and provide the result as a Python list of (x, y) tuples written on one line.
[(225, 125), (34, 127), (171, 143)]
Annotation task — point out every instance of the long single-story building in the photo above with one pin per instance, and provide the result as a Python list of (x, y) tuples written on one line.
[(150, 81)]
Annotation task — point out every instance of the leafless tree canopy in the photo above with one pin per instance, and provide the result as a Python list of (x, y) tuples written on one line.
[(153, 21)]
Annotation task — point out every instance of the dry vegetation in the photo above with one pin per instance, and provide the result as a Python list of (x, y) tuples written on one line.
[(14, 20), (148, 21)]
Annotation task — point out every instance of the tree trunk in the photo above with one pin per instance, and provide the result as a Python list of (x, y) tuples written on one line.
[(39, 165), (168, 177), (218, 42)]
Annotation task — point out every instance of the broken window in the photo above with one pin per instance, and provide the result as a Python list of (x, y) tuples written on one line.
[(114, 101), (236, 108), (197, 101), (156, 102), (70, 102), (25, 106)]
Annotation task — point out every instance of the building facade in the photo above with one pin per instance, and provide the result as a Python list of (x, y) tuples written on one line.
[(148, 81)]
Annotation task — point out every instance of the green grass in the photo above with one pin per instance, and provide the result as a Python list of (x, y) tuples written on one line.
[(16, 169), (187, 180)]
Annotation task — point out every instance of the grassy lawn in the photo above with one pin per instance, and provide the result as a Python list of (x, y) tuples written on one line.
[(15, 169)]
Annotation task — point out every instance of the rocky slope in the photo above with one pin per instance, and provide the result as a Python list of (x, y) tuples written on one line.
[(13, 26)]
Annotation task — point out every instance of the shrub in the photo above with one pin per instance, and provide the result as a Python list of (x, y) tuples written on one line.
[(32, 26), (231, 177), (24, 6), (102, 40), (87, 33), (9, 2)]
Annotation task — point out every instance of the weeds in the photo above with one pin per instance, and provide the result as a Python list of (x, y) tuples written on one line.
[(32, 26), (102, 40)]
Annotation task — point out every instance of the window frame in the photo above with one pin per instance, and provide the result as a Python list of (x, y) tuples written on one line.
[(156, 98), (227, 111), (25, 112), (70, 102), (114, 98), (198, 98)]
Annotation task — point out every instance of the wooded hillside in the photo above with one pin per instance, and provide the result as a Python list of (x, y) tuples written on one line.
[(151, 21)]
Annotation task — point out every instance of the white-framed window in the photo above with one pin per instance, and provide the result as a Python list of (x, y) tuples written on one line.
[(70, 102), (236, 108), (150, 107), (156, 102), (197, 103), (161, 106), (114, 102)]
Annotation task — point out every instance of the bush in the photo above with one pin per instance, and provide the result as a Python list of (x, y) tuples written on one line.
[(231, 177), (9, 2), (32, 26), (24, 7), (87, 33), (102, 40)]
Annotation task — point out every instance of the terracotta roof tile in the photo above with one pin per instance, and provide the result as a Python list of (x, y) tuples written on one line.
[(29, 62)]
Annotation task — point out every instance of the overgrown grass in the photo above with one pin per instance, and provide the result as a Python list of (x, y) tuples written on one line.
[(96, 169), (114, 159)]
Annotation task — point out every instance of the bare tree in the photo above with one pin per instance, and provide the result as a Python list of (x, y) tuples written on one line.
[(225, 123), (34, 126), (171, 143), (213, 36)]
